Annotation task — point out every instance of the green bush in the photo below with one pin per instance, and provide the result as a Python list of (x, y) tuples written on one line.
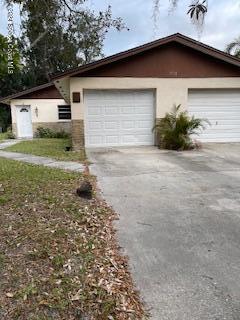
[(48, 133), (10, 134), (61, 134), (175, 130)]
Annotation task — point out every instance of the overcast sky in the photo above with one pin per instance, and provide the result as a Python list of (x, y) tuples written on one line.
[(221, 25)]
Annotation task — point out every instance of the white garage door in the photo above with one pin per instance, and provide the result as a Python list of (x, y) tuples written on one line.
[(222, 109), (119, 118)]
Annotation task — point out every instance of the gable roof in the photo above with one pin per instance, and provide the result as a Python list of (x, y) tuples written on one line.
[(178, 38), (35, 92), (78, 71)]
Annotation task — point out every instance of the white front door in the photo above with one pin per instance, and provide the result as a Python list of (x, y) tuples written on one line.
[(119, 118), (222, 109), (24, 122)]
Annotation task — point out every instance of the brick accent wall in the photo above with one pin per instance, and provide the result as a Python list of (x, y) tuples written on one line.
[(78, 134), (56, 126)]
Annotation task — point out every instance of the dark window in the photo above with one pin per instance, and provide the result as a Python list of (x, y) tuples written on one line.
[(64, 112)]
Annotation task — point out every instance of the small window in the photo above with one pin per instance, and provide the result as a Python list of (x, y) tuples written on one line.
[(24, 110), (64, 112)]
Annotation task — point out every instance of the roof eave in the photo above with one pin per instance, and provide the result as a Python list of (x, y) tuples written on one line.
[(179, 38), (7, 99)]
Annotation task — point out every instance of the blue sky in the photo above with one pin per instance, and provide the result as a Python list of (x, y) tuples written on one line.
[(221, 25)]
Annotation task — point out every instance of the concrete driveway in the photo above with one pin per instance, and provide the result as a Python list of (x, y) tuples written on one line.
[(180, 226)]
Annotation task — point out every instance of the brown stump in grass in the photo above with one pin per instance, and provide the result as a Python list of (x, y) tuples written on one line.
[(85, 190)]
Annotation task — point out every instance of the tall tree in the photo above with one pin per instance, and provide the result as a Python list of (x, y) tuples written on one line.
[(89, 31), (60, 34), (10, 70), (10, 66), (46, 45)]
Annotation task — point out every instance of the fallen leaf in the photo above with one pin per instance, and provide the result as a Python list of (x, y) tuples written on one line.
[(9, 294)]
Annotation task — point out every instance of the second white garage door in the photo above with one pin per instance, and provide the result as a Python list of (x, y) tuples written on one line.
[(222, 109), (119, 118)]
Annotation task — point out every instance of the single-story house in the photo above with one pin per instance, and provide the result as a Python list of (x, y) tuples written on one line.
[(41, 106), (117, 100)]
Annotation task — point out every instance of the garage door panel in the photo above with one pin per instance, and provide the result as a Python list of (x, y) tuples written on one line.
[(230, 122), (222, 128), (128, 124), (222, 136), (128, 110), (95, 125), (223, 140), (144, 124), (94, 111), (95, 139), (213, 102), (143, 138), (142, 117), (123, 118), (222, 109), (114, 139), (108, 111), (128, 139), (223, 116), (144, 110), (112, 125), (216, 117)]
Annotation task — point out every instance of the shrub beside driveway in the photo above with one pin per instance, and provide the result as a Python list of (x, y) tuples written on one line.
[(58, 255)]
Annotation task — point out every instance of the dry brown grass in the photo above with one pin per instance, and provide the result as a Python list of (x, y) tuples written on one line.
[(59, 258)]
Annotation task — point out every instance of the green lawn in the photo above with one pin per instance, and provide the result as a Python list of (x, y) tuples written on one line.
[(58, 255), (53, 148)]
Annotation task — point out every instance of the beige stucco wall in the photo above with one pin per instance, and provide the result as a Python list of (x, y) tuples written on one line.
[(47, 112), (168, 90), (47, 109)]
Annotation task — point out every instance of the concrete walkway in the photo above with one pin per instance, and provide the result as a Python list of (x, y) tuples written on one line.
[(8, 143), (44, 161)]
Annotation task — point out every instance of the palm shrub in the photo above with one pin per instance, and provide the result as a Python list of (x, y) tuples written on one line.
[(234, 48), (175, 129)]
